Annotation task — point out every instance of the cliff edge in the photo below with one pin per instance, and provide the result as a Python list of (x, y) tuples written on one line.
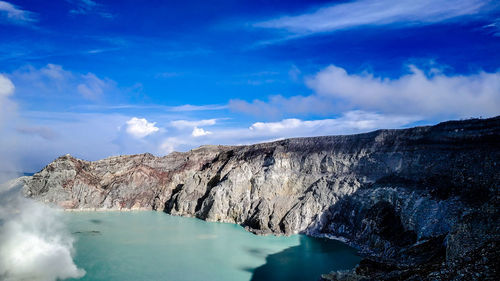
[(420, 203)]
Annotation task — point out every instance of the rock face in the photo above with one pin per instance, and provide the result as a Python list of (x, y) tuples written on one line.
[(416, 201)]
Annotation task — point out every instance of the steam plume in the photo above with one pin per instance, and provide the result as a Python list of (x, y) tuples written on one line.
[(34, 244)]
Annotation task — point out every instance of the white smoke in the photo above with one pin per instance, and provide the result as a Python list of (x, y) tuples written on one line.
[(34, 244)]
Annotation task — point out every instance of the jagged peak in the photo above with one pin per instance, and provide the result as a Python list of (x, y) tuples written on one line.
[(66, 156)]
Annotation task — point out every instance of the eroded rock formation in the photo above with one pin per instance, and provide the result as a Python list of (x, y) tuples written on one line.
[(415, 201)]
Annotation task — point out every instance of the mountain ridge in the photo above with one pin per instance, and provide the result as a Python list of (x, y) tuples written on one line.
[(407, 198)]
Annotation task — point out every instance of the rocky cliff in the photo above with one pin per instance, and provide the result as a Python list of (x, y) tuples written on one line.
[(420, 203)]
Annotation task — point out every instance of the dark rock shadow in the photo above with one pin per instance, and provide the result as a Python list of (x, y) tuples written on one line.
[(88, 232), (307, 261), (96, 221)]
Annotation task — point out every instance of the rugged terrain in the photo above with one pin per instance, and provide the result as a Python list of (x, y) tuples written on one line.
[(420, 203)]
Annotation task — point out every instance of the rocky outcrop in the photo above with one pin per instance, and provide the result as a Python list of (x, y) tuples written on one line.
[(414, 201)]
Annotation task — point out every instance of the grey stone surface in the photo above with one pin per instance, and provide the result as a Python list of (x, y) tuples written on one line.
[(391, 193)]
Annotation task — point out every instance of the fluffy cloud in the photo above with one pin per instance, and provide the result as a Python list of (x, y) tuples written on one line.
[(428, 94), (285, 124), (15, 15), (376, 12), (199, 132), (140, 127)]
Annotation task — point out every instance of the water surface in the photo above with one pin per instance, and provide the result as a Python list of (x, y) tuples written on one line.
[(155, 246)]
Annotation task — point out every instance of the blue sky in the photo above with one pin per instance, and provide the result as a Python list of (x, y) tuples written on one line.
[(96, 78)]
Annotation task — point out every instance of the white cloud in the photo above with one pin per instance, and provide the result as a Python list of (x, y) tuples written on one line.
[(169, 145), (35, 138), (180, 108), (140, 127), (8, 108), (348, 123), (6, 86), (72, 136), (190, 107), (277, 106), (427, 94), (84, 7), (53, 81), (92, 87), (376, 12), (14, 14), (166, 147), (282, 125), (199, 132), (55, 72), (180, 124), (494, 27)]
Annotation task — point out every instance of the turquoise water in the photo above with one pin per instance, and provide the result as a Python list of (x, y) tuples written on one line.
[(156, 246)]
